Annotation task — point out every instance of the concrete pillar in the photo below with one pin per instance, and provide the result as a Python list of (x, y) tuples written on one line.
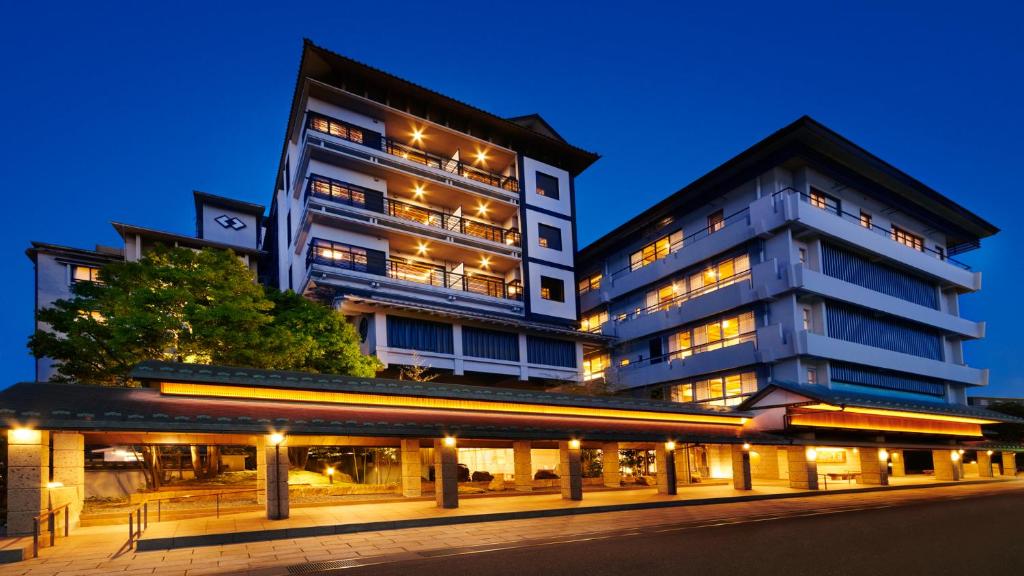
[(610, 464), (1009, 463), (276, 457), (666, 473), (522, 461), (261, 470), (68, 475), (899, 465), (803, 467), (412, 472), (28, 471), (741, 468), (683, 474), (446, 473), (874, 466), (985, 463), (946, 469), (572, 470)]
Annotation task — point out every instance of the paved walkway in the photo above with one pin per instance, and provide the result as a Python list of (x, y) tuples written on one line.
[(99, 550)]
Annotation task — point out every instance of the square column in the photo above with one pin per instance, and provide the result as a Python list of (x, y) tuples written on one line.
[(1009, 463), (610, 464), (412, 473), (874, 468), (446, 473), (28, 462), (68, 471), (276, 456), (803, 467), (899, 465), (522, 461), (683, 474), (984, 463), (665, 456), (741, 468), (572, 470), (945, 463), (261, 470)]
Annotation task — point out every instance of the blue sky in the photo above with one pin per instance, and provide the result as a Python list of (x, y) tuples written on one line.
[(117, 110)]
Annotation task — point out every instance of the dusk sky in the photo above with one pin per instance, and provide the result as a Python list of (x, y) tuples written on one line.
[(116, 111)]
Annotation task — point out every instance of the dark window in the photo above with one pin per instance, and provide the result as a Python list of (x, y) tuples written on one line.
[(419, 335), (550, 352), (481, 343), (547, 186), (287, 173), (549, 237), (716, 221), (290, 287), (654, 347), (289, 228), (552, 289)]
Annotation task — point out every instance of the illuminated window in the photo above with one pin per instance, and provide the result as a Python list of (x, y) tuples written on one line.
[(812, 375), (865, 219), (547, 186), (552, 289), (722, 333), (819, 199), (716, 221), (656, 250), (337, 191), (591, 283), (807, 318), (593, 322), (723, 390), (85, 274), (907, 239), (595, 364), (549, 237), (336, 128)]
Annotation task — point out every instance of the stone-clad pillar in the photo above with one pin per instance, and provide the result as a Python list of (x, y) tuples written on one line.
[(874, 466), (741, 468), (446, 473), (522, 461), (665, 457), (803, 467), (610, 464), (412, 473), (985, 463), (899, 465), (1009, 463), (683, 474), (276, 457), (571, 469), (28, 462), (68, 474), (945, 464)]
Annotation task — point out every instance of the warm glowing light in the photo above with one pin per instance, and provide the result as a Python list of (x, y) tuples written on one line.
[(627, 470), (417, 135), (481, 156), (418, 191), (670, 445), (899, 413), (574, 444), (812, 454), (883, 454), (276, 438), (746, 445), (989, 452), (23, 434), (485, 261), (744, 420), (725, 323), (954, 456), (421, 248), (330, 470), (961, 451), (856, 451), (481, 209), (54, 484), (449, 441)]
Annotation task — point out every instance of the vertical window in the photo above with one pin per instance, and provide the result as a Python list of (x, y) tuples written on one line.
[(549, 237), (812, 375), (865, 219), (547, 186), (802, 252), (907, 239), (716, 221), (807, 318), (552, 289), (289, 227), (654, 348)]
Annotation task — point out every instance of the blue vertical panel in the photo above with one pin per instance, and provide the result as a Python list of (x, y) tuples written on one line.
[(860, 326), (419, 335), (481, 343), (867, 376), (849, 267), (550, 352)]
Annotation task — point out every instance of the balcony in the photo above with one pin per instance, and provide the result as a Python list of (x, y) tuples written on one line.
[(470, 170), (704, 359), (358, 197), (346, 257)]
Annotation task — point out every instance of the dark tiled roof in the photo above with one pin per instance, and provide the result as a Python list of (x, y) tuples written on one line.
[(859, 400), (201, 373), (56, 406)]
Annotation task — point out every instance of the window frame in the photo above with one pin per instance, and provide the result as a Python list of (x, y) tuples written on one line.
[(546, 233), (550, 295), (540, 191), (907, 238)]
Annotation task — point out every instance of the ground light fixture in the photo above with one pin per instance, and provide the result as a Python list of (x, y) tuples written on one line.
[(330, 474)]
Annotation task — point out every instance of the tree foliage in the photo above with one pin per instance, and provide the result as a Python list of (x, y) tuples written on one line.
[(187, 305)]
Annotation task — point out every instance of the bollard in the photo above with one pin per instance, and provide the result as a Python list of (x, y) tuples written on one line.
[(35, 537)]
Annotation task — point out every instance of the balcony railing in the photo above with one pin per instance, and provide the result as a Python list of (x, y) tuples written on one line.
[(347, 257), (678, 299), (352, 133), (352, 195), (693, 350), (833, 207)]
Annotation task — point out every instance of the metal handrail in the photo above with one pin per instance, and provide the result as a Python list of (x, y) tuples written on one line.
[(680, 298), (160, 501), (694, 350), (52, 515), (138, 522)]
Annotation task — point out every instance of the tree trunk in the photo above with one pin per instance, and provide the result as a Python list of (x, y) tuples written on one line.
[(153, 468), (212, 461), (197, 461)]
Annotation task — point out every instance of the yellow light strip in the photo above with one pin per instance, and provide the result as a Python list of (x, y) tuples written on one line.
[(847, 421), (329, 397), (900, 413)]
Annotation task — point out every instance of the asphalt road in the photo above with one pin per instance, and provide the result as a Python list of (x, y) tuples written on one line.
[(975, 535)]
